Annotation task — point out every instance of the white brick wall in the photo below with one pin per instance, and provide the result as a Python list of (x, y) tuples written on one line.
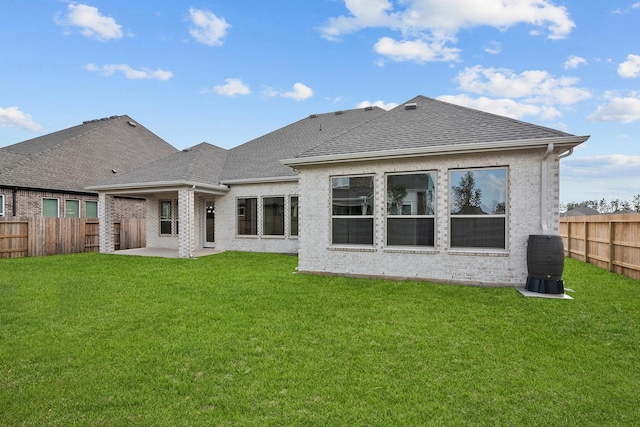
[(478, 267)]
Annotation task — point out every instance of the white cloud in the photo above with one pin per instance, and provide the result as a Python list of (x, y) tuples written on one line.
[(12, 116), (427, 26), (504, 107), (384, 105), (534, 86), (574, 62), (493, 47), (300, 92), (208, 28), (636, 6), (130, 73), (91, 22), (599, 177), (232, 87), (618, 109), (419, 51), (630, 67)]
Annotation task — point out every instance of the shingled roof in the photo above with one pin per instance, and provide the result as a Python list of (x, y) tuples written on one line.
[(260, 158), (79, 156), (426, 123)]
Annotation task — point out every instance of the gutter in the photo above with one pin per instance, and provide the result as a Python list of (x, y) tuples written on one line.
[(473, 147), (146, 187), (264, 180)]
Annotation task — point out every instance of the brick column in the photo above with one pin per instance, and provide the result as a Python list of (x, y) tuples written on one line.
[(105, 215), (186, 238)]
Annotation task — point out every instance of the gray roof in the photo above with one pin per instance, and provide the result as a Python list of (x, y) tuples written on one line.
[(431, 123), (260, 158), (79, 156), (202, 163)]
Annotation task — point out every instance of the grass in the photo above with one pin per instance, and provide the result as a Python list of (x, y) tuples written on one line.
[(237, 339)]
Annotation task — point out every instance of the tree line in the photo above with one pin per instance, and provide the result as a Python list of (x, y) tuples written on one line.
[(603, 206)]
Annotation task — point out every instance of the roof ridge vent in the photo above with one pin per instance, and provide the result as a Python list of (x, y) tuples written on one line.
[(368, 108), (131, 123), (313, 116), (339, 112), (410, 106)]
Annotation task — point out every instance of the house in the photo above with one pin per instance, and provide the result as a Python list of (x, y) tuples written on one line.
[(427, 190), (48, 175)]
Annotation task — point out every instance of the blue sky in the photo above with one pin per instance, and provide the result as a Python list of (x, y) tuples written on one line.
[(226, 72)]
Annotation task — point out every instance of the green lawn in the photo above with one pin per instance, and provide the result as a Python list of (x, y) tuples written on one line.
[(239, 339)]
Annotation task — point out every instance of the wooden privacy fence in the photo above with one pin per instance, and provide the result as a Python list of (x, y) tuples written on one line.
[(20, 237), (607, 241)]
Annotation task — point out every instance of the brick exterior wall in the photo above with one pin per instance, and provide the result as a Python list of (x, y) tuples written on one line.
[(29, 203), (440, 263)]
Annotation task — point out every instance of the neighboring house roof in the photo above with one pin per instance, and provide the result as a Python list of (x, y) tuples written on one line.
[(425, 125), (79, 156), (260, 158), (199, 165), (580, 211)]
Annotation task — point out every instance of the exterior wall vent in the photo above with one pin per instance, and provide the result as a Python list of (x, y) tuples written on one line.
[(410, 106)]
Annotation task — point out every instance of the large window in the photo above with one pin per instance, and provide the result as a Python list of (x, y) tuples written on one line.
[(293, 208), (273, 216), (247, 213), (411, 209), (168, 217), (72, 208), (478, 208), (352, 210), (50, 207)]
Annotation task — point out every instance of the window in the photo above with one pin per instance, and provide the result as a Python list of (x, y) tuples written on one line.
[(411, 209), (91, 209), (273, 216), (50, 208), (293, 207), (247, 209), (1, 204), (168, 217), (352, 210), (478, 203), (72, 208)]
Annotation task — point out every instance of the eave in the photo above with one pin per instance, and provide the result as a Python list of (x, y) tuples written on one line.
[(158, 187), (565, 142)]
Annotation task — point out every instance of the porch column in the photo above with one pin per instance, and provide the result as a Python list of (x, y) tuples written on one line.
[(105, 216), (186, 216)]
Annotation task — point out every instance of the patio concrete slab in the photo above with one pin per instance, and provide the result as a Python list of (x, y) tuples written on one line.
[(165, 252), (530, 294)]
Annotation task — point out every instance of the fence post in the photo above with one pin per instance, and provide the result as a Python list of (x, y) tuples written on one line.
[(612, 234), (586, 241)]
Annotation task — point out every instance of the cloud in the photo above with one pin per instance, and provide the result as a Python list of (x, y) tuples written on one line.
[(574, 62), (385, 106), (503, 107), (207, 27), (92, 24), (130, 73), (300, 92), (232, 87), (12, 116), (493, 47), (534, 86), (428, 26), (618, 109), (630, 67)]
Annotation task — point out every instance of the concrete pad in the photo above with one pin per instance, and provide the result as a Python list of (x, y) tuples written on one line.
[(165, 252), (530, 294)]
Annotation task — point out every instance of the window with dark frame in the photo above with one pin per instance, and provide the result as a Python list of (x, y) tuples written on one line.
[(166, 217), (273, 216), (50, 208), (411, 209), (1, 204), (91, 209), (293, 208), (478, 208), (247, 216), (352, 203), (72, 208)]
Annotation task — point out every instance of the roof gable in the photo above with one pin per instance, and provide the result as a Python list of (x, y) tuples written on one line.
[(425, 122)]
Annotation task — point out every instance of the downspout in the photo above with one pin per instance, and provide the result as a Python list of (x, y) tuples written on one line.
[(543, 190)]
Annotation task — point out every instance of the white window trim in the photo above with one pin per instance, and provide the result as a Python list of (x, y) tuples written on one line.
[(284, 216), (79, 207), (1, 204), (57, 206)]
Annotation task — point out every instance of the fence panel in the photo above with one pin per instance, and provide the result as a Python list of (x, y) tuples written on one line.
[(36, 236), (607, 241)]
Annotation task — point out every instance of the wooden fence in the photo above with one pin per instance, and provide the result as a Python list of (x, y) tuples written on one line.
[(20, 237), (607, 241)]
